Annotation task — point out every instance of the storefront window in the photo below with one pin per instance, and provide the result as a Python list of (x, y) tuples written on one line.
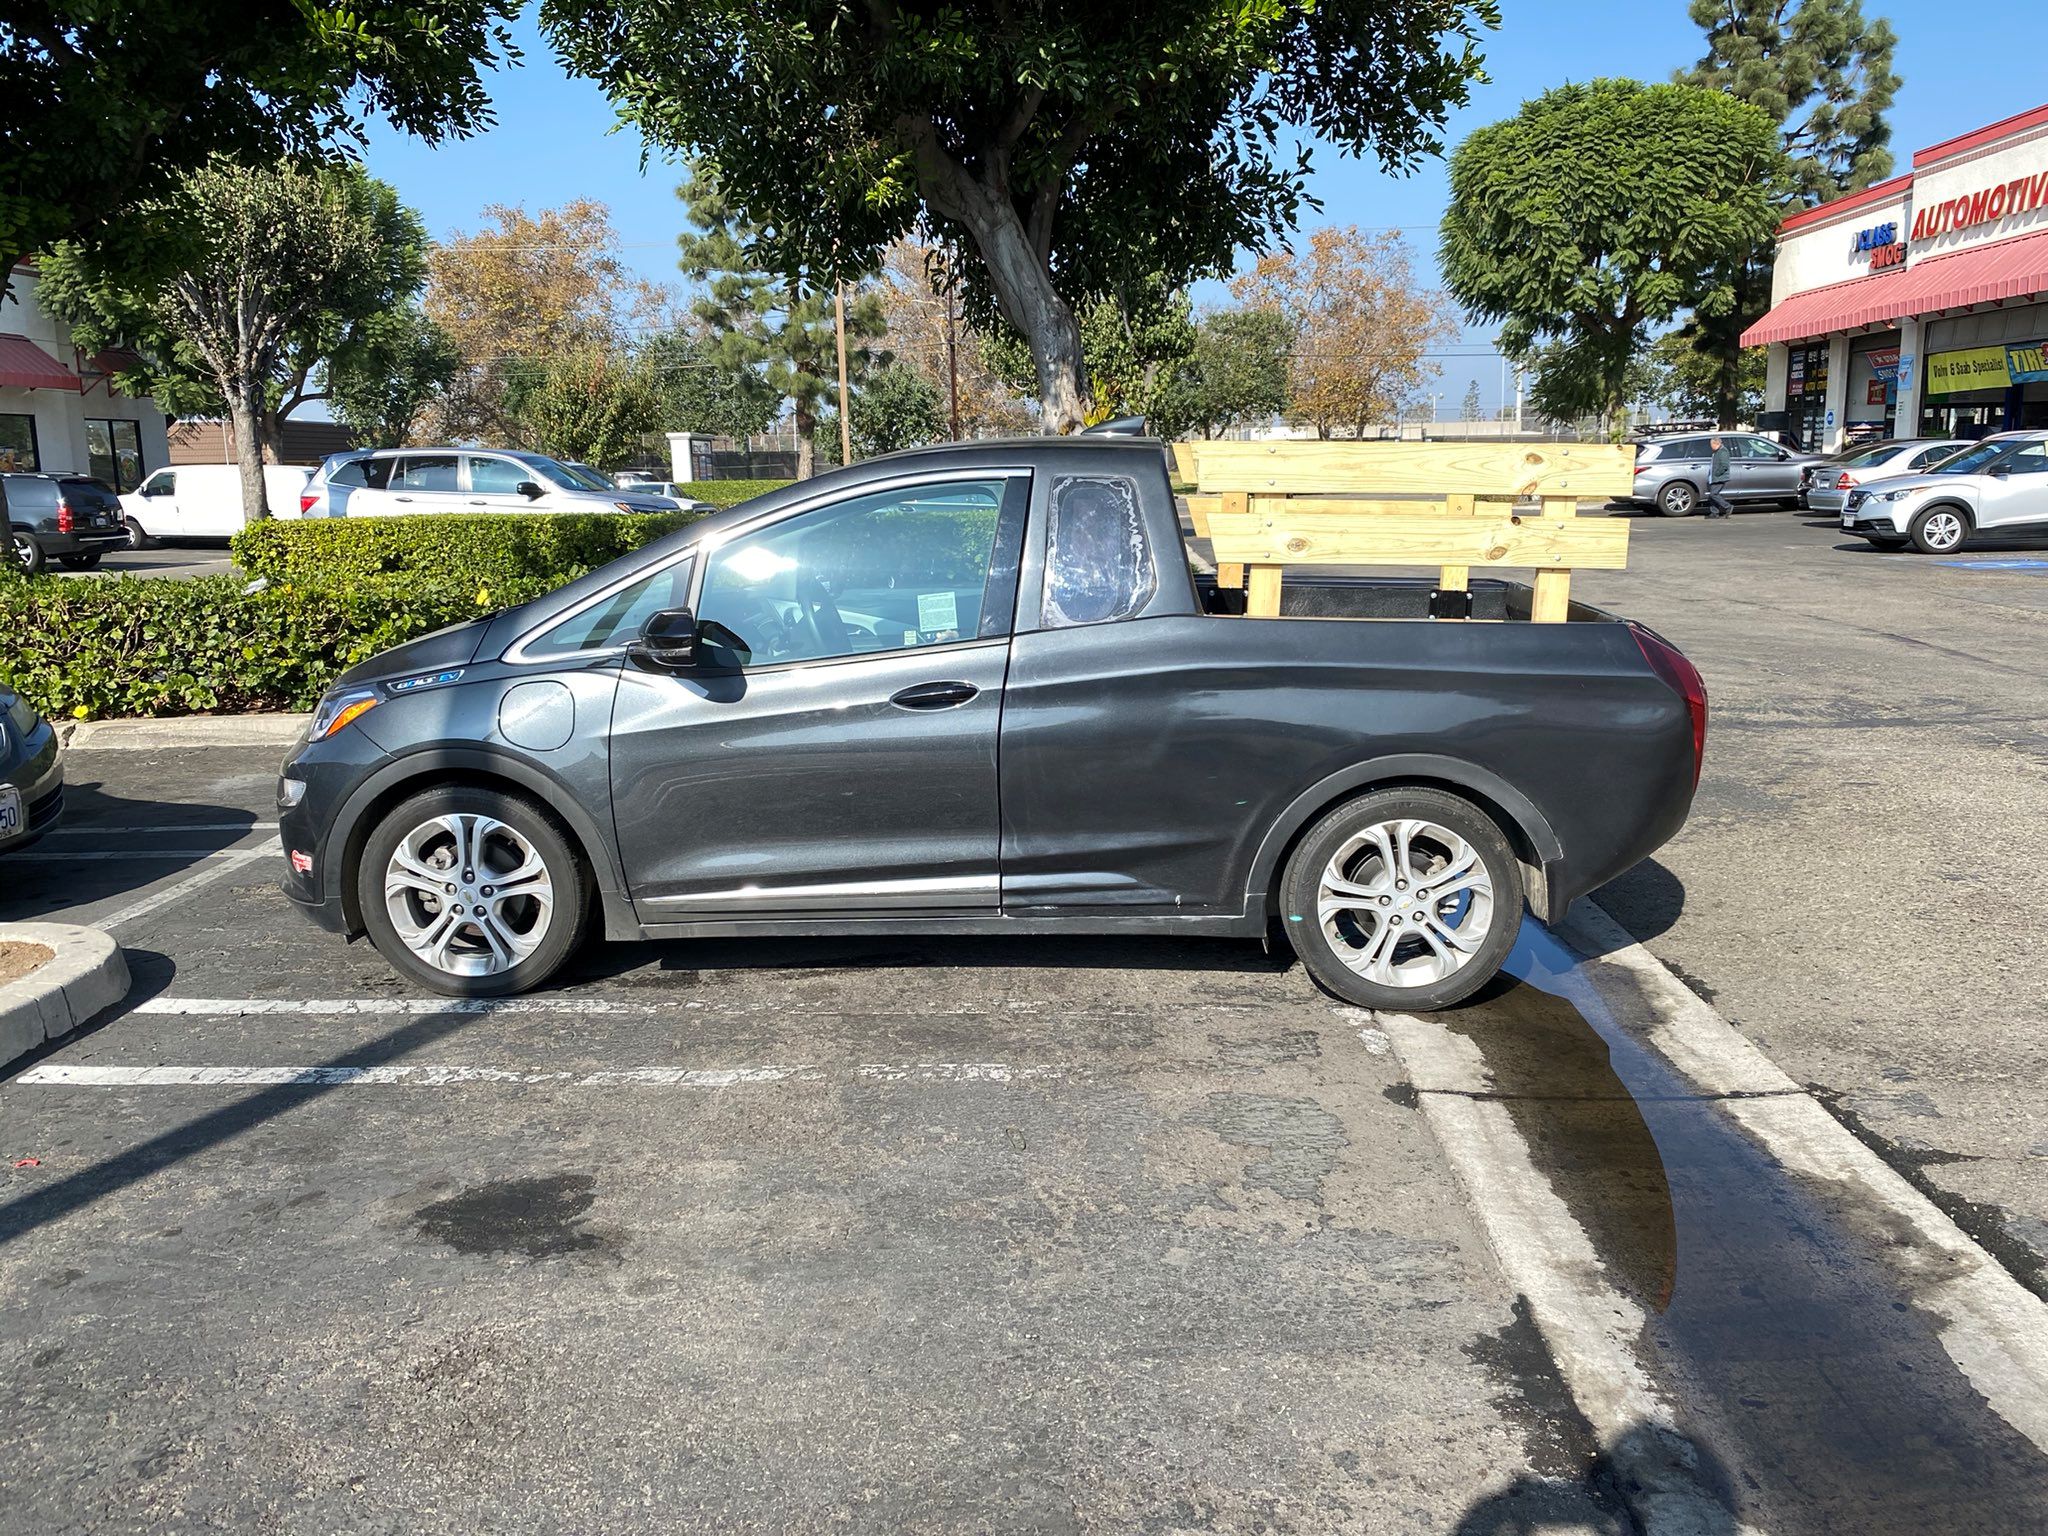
[(113, 452), (18, 443)]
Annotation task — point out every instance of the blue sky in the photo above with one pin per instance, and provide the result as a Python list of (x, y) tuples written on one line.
[(1963, 66)]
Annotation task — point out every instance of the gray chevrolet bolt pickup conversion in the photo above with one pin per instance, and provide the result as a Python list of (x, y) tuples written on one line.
[(977, 688)]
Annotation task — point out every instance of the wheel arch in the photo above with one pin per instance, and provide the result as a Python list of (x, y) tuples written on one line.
[(481, 767), (1526, 828)]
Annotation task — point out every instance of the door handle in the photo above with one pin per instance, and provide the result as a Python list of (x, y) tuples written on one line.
[(402, 498), (934, 695)]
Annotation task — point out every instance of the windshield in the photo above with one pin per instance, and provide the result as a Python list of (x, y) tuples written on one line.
[(1972, 460), (557, 473)]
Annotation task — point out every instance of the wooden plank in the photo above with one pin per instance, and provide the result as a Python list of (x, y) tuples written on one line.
[(1551, 602), (1184, 462), (1262, 592), (1230, 574), (1308, 539), (1524, 470), (1456, 578), (1199, 508), (1356, 506)]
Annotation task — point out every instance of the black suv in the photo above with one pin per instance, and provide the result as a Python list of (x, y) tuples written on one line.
[(71, 518)]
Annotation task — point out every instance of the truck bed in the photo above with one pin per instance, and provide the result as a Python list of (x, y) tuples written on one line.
[(1307, 595)]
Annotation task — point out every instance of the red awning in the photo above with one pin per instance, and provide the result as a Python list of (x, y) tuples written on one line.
[(25, 365), (2008, 270)]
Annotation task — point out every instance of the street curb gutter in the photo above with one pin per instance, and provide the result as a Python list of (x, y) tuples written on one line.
[(185, 731), (85, 974)]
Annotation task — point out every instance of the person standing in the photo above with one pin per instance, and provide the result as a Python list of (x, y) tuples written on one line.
[(1717, 480)]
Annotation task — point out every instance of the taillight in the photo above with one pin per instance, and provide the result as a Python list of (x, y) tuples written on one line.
[(306, 501), (1644, 469), (65, 522), (1669, 663), (1845, 481)]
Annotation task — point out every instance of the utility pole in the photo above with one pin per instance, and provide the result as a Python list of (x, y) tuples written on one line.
[(839, 332)]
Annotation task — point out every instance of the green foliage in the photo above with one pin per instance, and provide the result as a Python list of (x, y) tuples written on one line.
[(895, 407), (1131, 345), (102, 106), (1688, 379), (1824, 77), (382, 387), (1076, 150), (1599, 211), (156, 646), (488, 551), (781, 332), (703, 392), (730, 493), (1468, 407), (1237, 374), (589, 405)]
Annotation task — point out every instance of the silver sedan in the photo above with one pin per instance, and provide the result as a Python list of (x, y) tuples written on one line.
[(1828, 484)]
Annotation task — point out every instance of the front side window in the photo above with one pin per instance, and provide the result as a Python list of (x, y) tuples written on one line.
[(1929, 457), (2028, 459), (163, 483), (1975, 460), (497, 477), (1098, 562), (891, 570), (18, 443), (619, 617), (1754, 448), (425, 472)]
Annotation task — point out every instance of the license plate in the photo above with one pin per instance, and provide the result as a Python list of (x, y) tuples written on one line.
[(11, 820), (1848, 520)]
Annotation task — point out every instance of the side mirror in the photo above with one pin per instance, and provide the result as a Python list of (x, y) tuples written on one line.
[(530, 490), (668, 640), (2000, 470)]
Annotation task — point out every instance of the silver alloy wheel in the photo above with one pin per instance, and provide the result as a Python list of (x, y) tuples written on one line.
[(1678, 498), (1405, 903), (24, 552), (1942, 530), (468, 894)]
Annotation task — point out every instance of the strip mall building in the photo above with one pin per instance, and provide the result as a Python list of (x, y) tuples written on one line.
[(1915, 308)]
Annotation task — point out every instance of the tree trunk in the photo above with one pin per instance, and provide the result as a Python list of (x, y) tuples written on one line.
[(806, 441), (245, 411), (273, 437)]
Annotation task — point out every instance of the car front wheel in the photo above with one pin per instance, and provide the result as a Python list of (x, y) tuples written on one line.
[(137, 537), (472, 892), (1940, 530), (1678, 499), (1403, 899)]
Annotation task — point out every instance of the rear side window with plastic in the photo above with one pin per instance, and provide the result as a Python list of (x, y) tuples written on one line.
[(1098, 562)]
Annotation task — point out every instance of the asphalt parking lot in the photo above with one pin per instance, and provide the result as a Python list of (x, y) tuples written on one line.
[(210, 558), (952, 1235)]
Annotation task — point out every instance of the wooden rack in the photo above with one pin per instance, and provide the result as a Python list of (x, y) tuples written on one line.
[(1457, 506)]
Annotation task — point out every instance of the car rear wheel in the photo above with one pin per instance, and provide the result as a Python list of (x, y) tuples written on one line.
[(1940, 530), (1404, 899), (472, 892), (79, 562), (28, 555), (1678, 499)]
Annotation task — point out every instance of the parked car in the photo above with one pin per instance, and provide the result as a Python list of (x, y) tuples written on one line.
[(387, 482), (204, 501), (1671, 472), (1829, 482), (2000, 483), (72, 519), (640, 485), (31, 773), (974, 688)]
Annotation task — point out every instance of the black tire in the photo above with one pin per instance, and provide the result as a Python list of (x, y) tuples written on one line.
[(1892, 544), (1941, 529), (1678, 498), (1320, 952), (566, 873), (79, 562), (28, 555), (137, 539)]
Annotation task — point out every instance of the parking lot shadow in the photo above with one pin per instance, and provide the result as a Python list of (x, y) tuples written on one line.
[(108, 845), (1672, 1483)]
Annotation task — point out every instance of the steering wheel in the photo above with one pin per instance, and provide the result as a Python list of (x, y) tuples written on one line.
[(819, 617)]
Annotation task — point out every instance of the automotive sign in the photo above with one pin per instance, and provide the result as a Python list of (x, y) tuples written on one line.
[(1970, 368), (2027, 362)]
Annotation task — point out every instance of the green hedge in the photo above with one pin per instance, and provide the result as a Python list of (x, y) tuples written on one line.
[(489, 549), (730, 493), (155, 646)]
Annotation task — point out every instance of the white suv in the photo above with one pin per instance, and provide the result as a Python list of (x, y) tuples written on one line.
[(2001, 484), (389, 482)]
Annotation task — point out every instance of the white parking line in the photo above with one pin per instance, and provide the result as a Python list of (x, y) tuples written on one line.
[(126, 855), (92, 829), (209, 872), (596, 1007), (62, 1075)]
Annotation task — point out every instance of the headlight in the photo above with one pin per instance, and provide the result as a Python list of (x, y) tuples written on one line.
[(337, 709), (1895, 495)]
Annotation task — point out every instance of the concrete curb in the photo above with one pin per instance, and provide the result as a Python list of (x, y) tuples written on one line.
[(187, 731), (85, 974)]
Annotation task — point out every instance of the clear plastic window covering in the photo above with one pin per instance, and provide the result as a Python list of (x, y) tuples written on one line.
[(1098, 562)]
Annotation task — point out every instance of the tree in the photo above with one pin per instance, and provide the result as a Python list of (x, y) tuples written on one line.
[(1468, 408), (1362, 326), (1599, 211), (524, 286), (1825, 79), (242, 260), (1688, 380), (1237, 374), (381, 387), (587, 404), (895, 407), (1131, 344), (926, 328), (701, 393), (1075, 150), (760, 323), (102, 107)]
